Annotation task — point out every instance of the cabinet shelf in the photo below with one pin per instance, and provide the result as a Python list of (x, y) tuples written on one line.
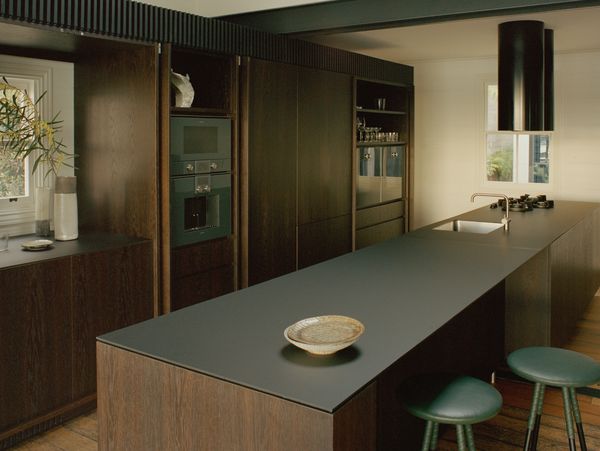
[(380, 143), (197, 111), (370, 111)]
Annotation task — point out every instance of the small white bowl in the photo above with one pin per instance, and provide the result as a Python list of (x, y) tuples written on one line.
[(324, 335)]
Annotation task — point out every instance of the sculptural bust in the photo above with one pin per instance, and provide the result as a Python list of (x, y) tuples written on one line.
[(184, 92)]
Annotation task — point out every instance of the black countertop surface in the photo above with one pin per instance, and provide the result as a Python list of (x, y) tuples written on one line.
[(402, 290), (87, 242)]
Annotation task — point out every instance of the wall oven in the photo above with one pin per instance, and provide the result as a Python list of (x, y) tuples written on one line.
[(200, 187)]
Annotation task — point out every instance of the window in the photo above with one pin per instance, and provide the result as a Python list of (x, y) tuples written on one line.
[(510, 156), (17, 183), (15, 178)]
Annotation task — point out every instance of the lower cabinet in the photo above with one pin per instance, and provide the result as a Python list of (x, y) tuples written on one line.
[(50, 315), (547, 295), (320, 241), (379, 223), (201, 271)]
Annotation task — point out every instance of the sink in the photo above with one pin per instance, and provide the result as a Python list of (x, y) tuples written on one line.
[(459, 225)]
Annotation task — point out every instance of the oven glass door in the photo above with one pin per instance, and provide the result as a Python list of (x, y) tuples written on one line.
[(198, 138)]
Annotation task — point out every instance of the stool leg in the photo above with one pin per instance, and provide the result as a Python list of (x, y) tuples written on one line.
[(427, 436), (434, 436), (577, 415), (470, 441), (538, 417), (460, 437), (568, 417), (537, 389)]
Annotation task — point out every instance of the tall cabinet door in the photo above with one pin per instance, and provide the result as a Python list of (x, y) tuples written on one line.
[(324, 165), (271, 169)]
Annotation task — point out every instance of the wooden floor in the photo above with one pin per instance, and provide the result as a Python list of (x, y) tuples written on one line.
[(503, 433)]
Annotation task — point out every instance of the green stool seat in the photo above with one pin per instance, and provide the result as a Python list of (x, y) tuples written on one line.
[(558, 368), (450, 399), (554, 366)]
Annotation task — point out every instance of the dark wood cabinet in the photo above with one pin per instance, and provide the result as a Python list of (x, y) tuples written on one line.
[(324, 145), (110, 290), (298, 168), (50, 315), (35, 333), (272, 153), (201, 271), (322, 240)]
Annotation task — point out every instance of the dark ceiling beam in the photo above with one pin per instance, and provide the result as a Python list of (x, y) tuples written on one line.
[(357, 15)]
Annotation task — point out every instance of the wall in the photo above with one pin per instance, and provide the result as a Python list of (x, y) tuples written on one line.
[(449, 134)]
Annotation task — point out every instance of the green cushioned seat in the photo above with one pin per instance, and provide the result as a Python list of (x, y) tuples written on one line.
[(554, 366), (450, 399), (558, 368)]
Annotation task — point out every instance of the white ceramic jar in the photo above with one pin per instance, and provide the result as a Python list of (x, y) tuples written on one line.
[(65, 209)]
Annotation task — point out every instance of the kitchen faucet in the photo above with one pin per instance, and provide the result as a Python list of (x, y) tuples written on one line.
[(505, 219)]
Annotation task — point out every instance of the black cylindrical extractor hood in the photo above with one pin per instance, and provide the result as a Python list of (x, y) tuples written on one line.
[(548, 79), (521, 77)]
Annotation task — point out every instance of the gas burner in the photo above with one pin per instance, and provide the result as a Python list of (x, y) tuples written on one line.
[(524, 203)]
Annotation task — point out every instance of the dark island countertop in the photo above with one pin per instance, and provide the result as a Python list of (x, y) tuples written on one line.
[(402, 290)]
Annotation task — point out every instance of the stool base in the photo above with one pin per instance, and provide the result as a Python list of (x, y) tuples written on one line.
[(571, 411)]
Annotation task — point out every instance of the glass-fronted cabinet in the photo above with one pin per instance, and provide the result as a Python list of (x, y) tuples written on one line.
[(382, 120), (380, 174)]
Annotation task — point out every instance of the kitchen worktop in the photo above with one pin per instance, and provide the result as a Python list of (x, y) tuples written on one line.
[(402, 290), (86, 243)]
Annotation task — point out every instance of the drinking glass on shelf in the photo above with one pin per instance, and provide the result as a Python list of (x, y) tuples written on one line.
[(3, 241), (361, 125)]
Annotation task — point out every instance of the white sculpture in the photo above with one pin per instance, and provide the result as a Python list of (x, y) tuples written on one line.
[(184, 92)]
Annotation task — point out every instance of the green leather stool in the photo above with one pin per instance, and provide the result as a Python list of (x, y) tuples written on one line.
[(558, 368), (450, 399)]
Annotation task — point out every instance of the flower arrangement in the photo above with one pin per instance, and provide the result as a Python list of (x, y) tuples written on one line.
[(23, 131)]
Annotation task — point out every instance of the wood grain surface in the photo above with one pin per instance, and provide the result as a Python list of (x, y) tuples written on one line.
[(111, 290), (116, 123), (272, 140), (35, 336), (322, 240), (324, 145), (150, 405)]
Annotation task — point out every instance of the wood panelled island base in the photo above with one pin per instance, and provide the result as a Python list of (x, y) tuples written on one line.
[(145, 404), (220, 375)]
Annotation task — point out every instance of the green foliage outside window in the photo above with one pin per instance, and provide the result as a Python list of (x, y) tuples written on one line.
[(500, 165), (23, 132)]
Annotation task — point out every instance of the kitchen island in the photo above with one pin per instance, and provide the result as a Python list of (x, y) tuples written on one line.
[(220, 375)]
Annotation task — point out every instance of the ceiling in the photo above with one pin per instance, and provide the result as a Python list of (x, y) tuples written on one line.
[(214, 8), (575, 30)]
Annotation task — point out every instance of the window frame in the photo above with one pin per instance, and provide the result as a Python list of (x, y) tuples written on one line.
[(516, 185), (18, 217)]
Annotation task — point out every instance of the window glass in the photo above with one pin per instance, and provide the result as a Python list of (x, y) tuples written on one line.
[(510, 156), (14, 173)]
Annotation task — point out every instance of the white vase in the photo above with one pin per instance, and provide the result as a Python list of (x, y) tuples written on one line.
[(65, 209)]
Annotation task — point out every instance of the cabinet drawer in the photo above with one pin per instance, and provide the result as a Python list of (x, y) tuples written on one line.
[(381, 213), (380, 232), (201, 257), (200, 287)]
